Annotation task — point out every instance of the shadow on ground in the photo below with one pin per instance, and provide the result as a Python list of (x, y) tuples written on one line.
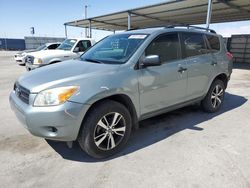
[(156, 129), (245, 66)]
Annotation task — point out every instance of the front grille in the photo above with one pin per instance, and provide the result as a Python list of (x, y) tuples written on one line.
[(22, 93), (29, 59)]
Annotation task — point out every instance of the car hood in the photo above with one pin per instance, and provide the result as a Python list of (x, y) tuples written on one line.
[(26, 51), (71, 72), (48, 53)]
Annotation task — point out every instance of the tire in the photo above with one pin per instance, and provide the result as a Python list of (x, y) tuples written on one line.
[(214, 98), (97, 137)]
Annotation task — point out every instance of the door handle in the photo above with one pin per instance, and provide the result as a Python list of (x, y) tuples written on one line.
[(214, 63), (181, 69)]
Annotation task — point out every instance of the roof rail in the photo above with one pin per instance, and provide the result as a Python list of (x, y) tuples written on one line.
[(192, 27)]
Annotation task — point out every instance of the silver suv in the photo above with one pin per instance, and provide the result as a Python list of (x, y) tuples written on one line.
[(124, 78)]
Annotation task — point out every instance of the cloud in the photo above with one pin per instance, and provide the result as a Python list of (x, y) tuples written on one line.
[(231, 28)]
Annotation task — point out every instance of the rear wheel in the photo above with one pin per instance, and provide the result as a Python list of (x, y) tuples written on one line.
[(214, 98), (106, 129)]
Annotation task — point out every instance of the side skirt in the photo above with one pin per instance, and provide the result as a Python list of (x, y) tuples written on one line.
[(170, 108)]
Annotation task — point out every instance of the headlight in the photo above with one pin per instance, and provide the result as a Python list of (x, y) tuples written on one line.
[(55, 96), (38, 61)]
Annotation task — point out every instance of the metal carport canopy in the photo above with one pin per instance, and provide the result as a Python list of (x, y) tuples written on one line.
[(170, 12)]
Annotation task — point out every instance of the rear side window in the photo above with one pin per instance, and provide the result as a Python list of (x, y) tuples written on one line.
[(214, 43), (193, 44), (166, 46)]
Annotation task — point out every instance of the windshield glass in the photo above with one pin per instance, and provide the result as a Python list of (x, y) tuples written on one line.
[(115, 49), (67, 44), (41, 47)]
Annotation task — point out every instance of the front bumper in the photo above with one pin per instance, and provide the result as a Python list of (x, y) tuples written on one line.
[(20, 60), (60, 122)]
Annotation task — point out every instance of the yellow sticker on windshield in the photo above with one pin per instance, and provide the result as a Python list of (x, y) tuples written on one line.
[(137, 37)]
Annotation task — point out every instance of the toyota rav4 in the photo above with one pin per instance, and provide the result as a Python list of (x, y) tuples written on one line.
[(124, 78)]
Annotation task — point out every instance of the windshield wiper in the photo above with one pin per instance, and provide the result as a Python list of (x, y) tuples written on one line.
[(93, 61)]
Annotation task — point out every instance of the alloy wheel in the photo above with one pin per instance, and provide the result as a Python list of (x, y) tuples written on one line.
[(109, 131), (217, 96)]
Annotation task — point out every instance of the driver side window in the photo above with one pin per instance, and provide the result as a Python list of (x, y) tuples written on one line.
[(83, 45), (167, 47)]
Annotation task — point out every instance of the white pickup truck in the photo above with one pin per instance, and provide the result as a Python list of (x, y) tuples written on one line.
[(69, 49), (21, 56)]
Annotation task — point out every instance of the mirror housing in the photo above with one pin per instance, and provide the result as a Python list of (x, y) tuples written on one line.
[(151, 60), (77, 49)]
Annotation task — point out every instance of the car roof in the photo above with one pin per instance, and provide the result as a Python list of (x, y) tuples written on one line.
[(81, 38), (159, 30)]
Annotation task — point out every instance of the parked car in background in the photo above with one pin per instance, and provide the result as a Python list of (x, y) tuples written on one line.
[(20, 56), (69, 49), (125, 78)]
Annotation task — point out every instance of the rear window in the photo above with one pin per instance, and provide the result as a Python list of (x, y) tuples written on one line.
[(193, 44), (214, 43)]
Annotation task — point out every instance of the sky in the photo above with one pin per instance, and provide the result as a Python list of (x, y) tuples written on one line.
[(48, 17)]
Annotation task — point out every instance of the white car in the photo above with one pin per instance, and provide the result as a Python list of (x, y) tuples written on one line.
[(20, 56), (69, 49)]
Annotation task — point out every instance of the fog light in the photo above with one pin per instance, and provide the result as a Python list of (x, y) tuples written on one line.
[(52, 129)]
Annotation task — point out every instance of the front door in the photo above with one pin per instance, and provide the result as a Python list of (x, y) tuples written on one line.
[(165, 85), (81, 47)]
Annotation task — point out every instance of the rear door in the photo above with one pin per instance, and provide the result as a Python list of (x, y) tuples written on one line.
[(199, 61), (213, 42), (165, 85)]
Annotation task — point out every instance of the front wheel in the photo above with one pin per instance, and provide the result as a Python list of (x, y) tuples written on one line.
[(105, 130), (214, 98)]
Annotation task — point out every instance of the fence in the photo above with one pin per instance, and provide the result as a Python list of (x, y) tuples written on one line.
[(12, 44), (34, 42), (240, 48)]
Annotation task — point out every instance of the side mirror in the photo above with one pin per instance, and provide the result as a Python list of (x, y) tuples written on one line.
[(77, 49), (151, 60)]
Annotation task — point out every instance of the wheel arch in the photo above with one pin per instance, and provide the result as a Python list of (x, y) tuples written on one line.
[(223, 77), (124, 100), (55, 60)]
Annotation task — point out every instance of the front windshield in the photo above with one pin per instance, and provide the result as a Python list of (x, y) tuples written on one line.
[(67, 44), (41, 47), (115, 49)]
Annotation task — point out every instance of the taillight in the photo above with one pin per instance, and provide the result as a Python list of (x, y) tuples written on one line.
[(229, 55)]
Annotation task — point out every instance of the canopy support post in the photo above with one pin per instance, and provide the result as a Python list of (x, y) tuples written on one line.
[(129, 20), (65, 30), (90, 29), (209, 13)]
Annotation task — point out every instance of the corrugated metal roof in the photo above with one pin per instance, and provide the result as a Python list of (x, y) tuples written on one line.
[(171, 12)]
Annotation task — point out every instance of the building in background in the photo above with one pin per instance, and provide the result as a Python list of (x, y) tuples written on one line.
[(26, 43)]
